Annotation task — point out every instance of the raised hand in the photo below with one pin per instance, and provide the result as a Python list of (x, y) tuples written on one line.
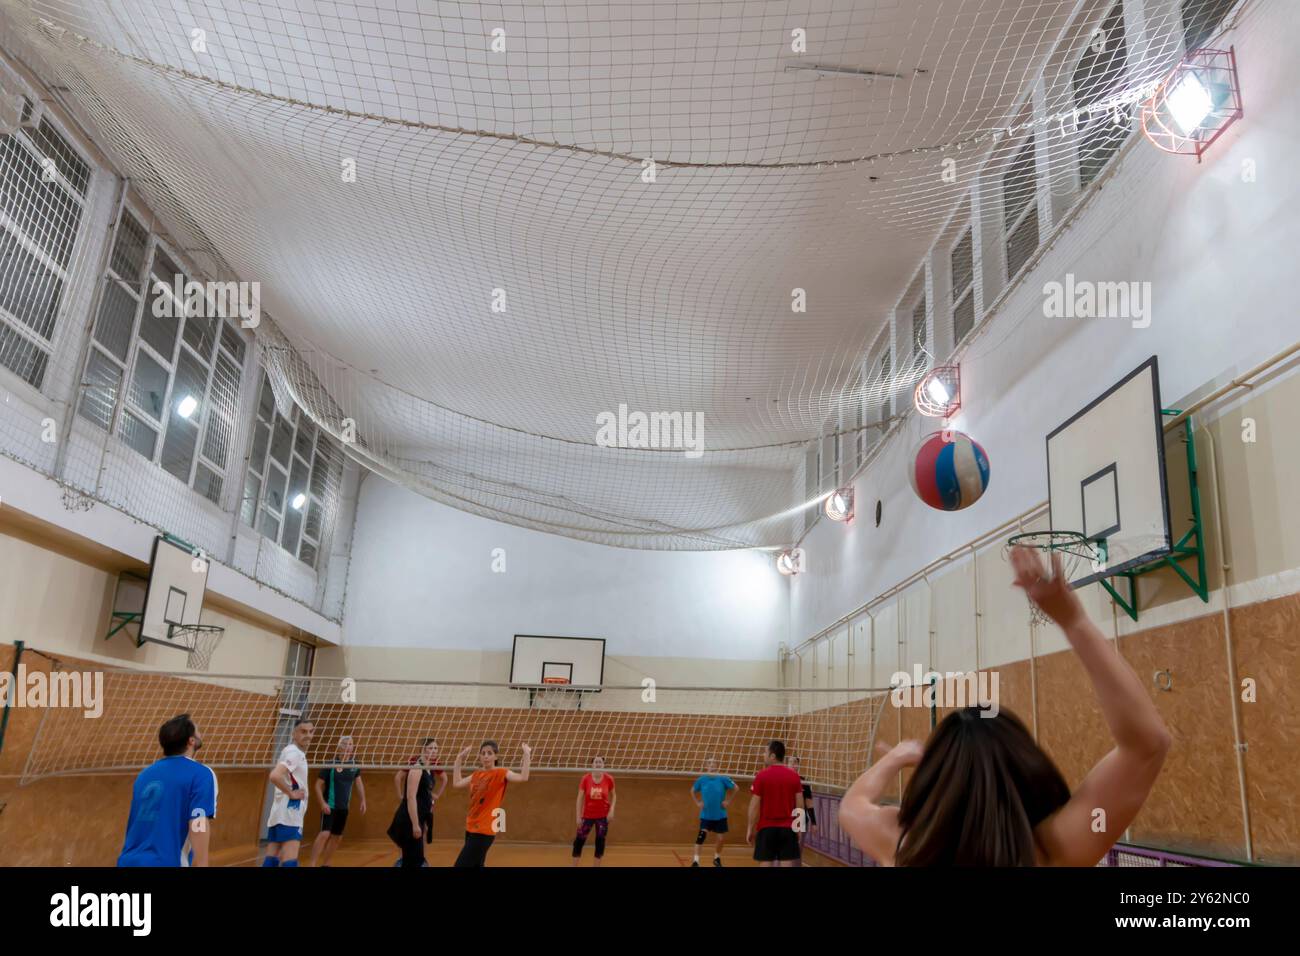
[(1053, 594)]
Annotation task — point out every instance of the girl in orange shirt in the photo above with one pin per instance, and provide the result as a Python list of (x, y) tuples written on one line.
[(487, 788)]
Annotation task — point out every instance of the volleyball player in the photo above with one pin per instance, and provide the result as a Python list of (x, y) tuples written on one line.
[(595, 809), (985, 794), (289, 805), (810, 812), (334, 787), (412, 824), (778, 793), (487, 788), (428, 756), (712, 794), (172, 802)]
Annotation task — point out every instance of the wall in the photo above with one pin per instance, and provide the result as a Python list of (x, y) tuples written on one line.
[(422, 577), (1215, 245)]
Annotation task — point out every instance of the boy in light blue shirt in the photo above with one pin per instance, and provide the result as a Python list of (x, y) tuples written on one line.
[(712, 793)]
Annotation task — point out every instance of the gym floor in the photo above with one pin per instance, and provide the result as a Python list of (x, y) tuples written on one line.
[(371, 852)]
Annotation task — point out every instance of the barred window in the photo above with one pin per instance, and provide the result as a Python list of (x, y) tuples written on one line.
[(1020, 208), (43, 184), (963, 286), (1098, 77), (165, 380), (1202, 19), (291, 486)]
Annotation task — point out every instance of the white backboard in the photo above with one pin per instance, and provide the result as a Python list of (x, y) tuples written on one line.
[(177, 582), (581, 659), (1106, 474)]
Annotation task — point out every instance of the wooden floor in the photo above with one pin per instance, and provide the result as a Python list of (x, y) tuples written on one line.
[(443, 853)]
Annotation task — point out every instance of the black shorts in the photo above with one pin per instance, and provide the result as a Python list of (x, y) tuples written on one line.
[(714, 826), (776, 843), (334, 822)]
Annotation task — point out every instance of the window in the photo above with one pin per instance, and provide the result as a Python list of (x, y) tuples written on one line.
[(860, 441), (885, 386), (918, 330), (170, 379), (812, 472), (963, 286), (1202, 19), (43, 183), (1020, 208), (292, 482), (1100, 75)]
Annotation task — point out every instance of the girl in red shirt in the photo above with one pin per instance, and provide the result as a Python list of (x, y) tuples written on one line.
[(595, 809)]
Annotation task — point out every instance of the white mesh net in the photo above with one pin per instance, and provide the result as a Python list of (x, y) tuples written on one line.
[(474, 244), (672, 730)]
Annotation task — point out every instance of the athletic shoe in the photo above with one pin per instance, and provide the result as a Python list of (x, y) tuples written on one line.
[(717, 861), (696, 863)]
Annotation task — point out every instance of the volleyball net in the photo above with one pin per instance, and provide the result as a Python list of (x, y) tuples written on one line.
[(652, 730)]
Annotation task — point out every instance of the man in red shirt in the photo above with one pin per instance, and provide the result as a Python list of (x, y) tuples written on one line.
[(596, 799), (778, 794)]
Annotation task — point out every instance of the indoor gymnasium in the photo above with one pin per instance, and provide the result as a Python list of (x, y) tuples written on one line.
[(720, 434)]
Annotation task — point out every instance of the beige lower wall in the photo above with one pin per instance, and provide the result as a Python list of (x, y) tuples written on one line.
[(59, 601)]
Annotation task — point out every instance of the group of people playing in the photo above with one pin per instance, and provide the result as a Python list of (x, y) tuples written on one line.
[(981, 792)]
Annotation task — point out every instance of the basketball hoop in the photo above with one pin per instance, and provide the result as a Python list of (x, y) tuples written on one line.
[(200, 640), (1073, 548), (562, 681)]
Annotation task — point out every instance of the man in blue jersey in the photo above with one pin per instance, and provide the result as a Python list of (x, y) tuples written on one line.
[(172, 802), (711, 794)]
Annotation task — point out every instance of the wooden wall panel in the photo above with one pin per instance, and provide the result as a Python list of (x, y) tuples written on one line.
[(1266, 640)]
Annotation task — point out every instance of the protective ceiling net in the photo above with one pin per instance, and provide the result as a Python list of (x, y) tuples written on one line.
[(483, 232)]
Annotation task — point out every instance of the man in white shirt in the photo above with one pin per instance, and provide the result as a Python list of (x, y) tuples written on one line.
[(289, 805)]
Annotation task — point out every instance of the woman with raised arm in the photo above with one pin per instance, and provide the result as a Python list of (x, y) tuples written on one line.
[(487, 789), (985, 794)]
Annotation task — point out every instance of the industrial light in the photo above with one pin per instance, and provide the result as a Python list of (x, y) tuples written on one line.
[(938, 391), (790, 561), (839, 506), (1195, 103), (938, 394), (298, 501), (185, 408), (1190, 103)]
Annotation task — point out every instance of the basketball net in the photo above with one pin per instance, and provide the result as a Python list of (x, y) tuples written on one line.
[(1073, 549)]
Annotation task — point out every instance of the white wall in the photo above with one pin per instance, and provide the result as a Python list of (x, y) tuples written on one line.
[(421, 575), (1220, 254)]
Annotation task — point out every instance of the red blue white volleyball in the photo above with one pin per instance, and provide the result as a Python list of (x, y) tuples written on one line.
[(949, 470)]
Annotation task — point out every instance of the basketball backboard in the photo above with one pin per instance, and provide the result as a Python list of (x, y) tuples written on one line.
[(1106, 475), (178, 580), (535, 659)]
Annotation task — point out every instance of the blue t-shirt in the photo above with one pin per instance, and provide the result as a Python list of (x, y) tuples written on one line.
[(165, 799), (712, 790)]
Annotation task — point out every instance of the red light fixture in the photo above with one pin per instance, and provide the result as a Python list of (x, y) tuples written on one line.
[(938, 394), (1195, 104)]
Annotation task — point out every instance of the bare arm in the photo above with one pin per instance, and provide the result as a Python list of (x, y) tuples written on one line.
[(397, 782), (697, 800), (361, 792), (282, 781), (873, 827), (578, 811), (199, 843), (320, 795), (440, 787), (755, 802), (457, 780), (412, 810), (522, 775), (613, 802), (1110, 796)]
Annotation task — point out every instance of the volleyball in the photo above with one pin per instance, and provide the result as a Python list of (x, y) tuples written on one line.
[(949, 471)]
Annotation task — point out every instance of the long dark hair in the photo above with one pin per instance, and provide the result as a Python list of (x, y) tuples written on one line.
[(977, 794)]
